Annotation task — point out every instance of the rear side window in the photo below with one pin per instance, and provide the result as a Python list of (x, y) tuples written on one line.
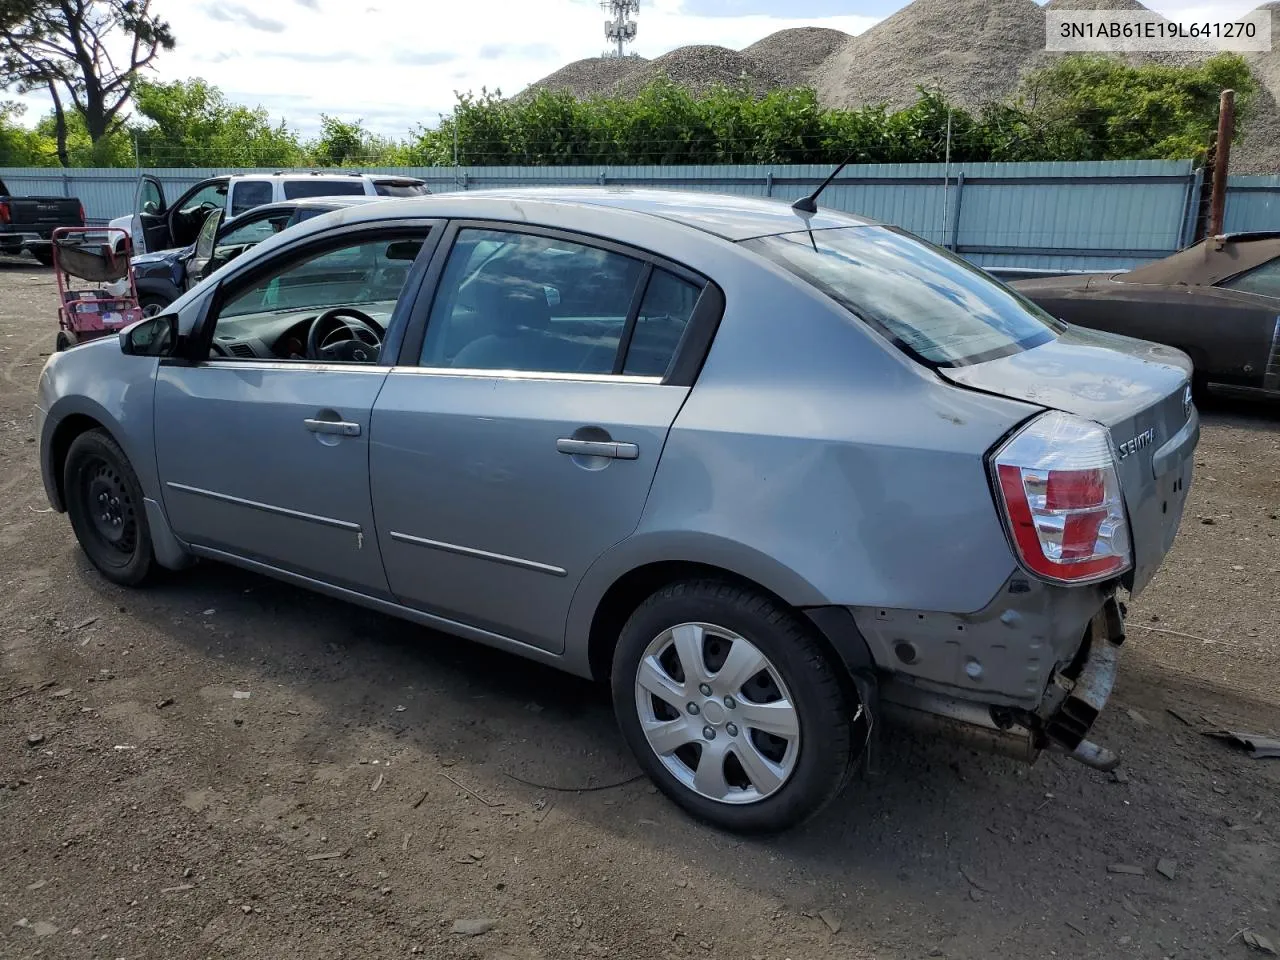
[(518, 301), (399, 188), (1263, 280), (664, 313), (928, 302), (298, 189), (249, 194)]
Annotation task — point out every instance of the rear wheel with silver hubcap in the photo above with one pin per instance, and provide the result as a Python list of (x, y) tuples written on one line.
[(732, 706)]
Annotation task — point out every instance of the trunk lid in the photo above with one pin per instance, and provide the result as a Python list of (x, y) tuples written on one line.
[(1140, 392)]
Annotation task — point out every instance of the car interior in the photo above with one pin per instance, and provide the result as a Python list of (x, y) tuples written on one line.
[(332, 307)]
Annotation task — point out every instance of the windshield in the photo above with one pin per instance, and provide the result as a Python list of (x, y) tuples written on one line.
[(930, 303)]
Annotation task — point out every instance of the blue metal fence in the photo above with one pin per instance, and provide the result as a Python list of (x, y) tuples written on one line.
[(1253, 203), (1037, 216)]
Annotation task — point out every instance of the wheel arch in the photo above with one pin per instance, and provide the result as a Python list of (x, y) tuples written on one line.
[(64, 434), (595, 625)]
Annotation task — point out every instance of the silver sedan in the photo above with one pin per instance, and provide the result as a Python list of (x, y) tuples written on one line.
[(777, 476)]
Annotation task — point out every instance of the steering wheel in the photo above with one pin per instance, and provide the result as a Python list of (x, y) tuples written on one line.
[(345, 335)]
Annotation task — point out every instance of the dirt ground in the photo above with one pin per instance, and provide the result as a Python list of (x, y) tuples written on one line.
[(223, 766)]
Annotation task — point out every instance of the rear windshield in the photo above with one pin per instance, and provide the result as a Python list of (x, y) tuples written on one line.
[(298, 189), (930, 303), (400, 188)]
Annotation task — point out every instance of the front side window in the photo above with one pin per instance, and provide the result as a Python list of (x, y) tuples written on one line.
[(301, 189), (212, 196), (1263, 280), (248, 194), (928, 302), (518, 301), (331, 305)]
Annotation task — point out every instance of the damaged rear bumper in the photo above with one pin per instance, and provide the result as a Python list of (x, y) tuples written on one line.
[(1074, 698)]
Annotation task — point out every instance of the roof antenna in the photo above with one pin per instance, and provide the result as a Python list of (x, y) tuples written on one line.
[(809, 204)]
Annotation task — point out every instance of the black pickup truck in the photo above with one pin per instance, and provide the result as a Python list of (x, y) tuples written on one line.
[(27, 222)]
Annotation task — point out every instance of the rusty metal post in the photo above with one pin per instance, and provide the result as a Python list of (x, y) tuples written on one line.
[(1221, 160)]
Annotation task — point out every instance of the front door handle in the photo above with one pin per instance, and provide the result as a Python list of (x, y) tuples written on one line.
[(339, 428), (598, 448)]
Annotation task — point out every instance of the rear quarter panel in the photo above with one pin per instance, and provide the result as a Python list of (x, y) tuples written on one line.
[(816, 460)]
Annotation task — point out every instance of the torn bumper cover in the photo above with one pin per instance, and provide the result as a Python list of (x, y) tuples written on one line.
[(1075, 697)]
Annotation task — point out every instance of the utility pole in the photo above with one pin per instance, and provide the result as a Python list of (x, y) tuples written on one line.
[(946, 182), (1221, 159)]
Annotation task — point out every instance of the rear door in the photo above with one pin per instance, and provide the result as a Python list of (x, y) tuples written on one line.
[(518, 436)]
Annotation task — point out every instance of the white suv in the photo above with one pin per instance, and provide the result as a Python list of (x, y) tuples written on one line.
[(155, 225)]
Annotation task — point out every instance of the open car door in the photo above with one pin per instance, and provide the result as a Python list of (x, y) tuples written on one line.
[(203, 260), (150, 226)]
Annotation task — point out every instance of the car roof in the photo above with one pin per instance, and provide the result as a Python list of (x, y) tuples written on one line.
[(729, 216), (1210, 261)]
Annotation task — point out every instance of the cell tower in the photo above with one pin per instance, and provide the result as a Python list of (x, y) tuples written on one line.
[(621, 29)]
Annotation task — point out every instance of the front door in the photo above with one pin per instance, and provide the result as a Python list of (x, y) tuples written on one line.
[(150, 216), (523, 443), (263, 447)]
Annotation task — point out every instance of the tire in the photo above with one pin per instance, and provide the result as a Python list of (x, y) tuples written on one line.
[(794, 775), (152, 304), (113, 532), (65, 341), (43, 255)]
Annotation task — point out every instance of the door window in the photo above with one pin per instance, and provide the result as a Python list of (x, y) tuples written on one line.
[(664, 313), (248, 194), (208, 233), (519, 301), (1263, 280), (193, 209), (150, 197), (332, 305)]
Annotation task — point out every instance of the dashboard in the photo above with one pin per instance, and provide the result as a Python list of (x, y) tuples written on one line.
[(280, 335)]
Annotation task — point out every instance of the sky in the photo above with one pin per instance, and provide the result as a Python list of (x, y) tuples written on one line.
[(396, 63)]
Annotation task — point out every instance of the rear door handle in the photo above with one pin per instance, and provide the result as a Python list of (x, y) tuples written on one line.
[(340, 428), (598, 448)]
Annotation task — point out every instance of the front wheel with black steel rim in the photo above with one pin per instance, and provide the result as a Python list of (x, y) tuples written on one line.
[(104, 502), (732, 706)]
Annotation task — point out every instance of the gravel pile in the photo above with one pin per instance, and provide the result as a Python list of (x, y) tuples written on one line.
[(700, 68), (797, 53), (1260, 150), (973, 50), (593, 76)]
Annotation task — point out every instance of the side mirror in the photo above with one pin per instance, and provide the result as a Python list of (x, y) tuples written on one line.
[(152, 337)]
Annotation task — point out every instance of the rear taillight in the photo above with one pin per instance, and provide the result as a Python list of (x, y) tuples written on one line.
[(4, 212), (82, 217), (1056, 481)]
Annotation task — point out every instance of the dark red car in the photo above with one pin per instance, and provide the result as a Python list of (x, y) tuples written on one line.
[(1218, 301)]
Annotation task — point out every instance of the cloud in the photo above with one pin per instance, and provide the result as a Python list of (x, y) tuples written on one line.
[(517, 51), (309, 4), (234, 13), (424, 58), (315, 56)]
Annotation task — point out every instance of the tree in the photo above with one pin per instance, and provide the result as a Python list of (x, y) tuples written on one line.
[(89, 52), (348, 143), (190, 123), (1100, 108)]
